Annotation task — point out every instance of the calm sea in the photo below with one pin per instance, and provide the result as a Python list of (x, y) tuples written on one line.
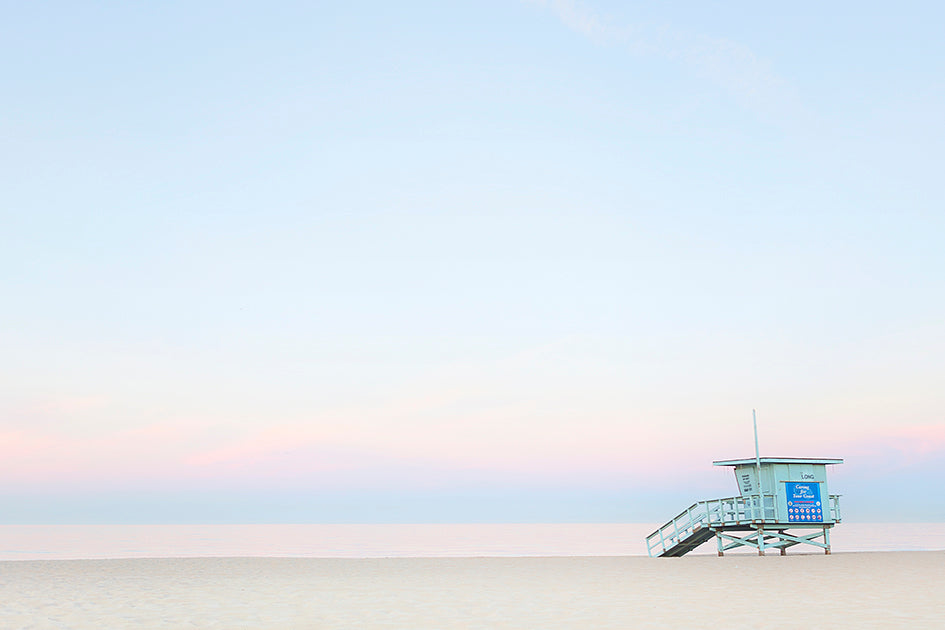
[(30, 542)]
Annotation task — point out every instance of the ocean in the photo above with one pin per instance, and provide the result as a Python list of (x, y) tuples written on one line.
[(59, 542)]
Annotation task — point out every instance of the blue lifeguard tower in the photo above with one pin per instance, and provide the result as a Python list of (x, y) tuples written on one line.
[(777, 494)]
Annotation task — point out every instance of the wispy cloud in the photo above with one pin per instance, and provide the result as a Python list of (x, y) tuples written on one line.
[(578, 18), (733, 66)]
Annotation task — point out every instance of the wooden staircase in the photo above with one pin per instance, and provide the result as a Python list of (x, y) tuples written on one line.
[(758, 514)]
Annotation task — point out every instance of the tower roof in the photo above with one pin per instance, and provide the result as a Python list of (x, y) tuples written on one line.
[(777, 460)]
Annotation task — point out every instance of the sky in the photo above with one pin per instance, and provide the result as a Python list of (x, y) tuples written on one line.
[(495, 261)]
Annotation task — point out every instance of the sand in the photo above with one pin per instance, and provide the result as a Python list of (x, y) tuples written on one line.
[(855, 590)]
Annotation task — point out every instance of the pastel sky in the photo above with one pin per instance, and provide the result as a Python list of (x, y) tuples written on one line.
[(484, 261)]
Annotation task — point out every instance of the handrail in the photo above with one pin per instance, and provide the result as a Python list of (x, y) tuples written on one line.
[(728, 511), (835, 507)]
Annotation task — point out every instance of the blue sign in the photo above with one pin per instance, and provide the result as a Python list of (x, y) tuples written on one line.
[(803, 502)]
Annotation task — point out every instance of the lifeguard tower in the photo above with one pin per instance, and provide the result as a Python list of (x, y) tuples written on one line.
[(777, 494)]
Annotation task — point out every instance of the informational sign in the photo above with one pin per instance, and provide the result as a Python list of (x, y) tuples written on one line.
[(745, 479), (803, 502)]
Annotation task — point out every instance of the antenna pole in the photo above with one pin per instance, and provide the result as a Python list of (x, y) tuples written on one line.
[(754, 422)]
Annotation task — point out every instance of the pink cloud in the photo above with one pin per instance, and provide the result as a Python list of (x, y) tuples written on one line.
[(916, 442), (259, 445), (43, 457)]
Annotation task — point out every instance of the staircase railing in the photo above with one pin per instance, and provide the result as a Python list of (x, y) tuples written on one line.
[(729, 511), (834, 504)]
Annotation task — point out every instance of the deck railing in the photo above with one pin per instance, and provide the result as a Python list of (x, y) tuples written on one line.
[(727, 512)]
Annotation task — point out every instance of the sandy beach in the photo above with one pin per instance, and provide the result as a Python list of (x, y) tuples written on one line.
[(878, 590)]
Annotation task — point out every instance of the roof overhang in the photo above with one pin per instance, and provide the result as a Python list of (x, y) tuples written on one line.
[(777, 460)]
